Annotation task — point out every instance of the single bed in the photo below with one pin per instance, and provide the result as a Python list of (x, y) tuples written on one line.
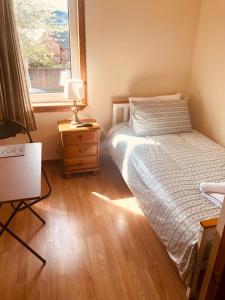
[(163, 172)]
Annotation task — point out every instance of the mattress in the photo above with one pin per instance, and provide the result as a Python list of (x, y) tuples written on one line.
[(163, 172)]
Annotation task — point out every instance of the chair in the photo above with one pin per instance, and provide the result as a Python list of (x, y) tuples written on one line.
[(11, 128)]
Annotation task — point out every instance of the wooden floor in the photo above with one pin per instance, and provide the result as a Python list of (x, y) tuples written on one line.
[(97, 243)]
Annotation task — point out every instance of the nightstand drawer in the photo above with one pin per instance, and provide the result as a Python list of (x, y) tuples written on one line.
[(72, 138), (80, 150), (89, 162)]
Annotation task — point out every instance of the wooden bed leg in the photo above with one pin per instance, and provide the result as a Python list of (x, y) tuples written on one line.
[(208, 229)]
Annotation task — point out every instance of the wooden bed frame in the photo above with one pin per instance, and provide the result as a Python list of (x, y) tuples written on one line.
[(121, 113)]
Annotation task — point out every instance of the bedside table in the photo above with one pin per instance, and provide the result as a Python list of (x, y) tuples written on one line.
[(80, 147)]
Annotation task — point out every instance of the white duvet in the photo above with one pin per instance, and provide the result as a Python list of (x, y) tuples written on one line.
[(163, 173)]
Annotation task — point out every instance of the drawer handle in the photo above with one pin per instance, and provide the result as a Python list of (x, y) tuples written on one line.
[(82, 150)]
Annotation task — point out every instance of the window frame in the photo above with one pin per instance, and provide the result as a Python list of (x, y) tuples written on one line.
[(55, 101)]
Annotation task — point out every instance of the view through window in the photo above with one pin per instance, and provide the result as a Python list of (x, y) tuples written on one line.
[(43, 29)]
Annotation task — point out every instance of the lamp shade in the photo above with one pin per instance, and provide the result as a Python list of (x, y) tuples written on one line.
[(65, 75), (74, 89)]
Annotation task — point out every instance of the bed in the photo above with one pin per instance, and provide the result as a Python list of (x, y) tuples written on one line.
[(163, 172)]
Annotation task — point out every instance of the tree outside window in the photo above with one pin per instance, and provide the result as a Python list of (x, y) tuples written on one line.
[(44, 38)]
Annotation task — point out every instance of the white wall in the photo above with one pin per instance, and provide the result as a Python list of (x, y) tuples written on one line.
[(207, 92)]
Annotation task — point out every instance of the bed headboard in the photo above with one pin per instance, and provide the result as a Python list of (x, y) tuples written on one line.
[(120, 105)]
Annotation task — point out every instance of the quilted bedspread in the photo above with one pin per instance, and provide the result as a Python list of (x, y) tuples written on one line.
[(164, 172)]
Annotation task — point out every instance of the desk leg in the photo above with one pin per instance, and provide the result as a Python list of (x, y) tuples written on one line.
[(28, 206), (5, 228), (34, 212), (23, 243), (11, 217)]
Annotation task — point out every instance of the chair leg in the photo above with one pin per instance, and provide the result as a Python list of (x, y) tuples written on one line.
[(34, 212), (11, 217), (22, 242)]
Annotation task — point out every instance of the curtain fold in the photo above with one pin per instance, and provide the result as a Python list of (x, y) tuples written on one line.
[(14, 96)]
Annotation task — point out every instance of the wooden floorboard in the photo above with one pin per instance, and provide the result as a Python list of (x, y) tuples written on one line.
[(97, 243)]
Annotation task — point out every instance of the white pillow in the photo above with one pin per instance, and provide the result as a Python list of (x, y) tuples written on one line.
[(176, 96)]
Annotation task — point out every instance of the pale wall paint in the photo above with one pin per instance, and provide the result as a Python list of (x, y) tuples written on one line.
[(134, 48), (207, 95)]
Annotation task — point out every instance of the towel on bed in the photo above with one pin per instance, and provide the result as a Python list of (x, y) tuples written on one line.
[(212, 187), (213, 191)]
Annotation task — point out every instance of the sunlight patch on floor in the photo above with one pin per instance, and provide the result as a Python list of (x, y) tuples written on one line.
[(130, 204), (54, 210)]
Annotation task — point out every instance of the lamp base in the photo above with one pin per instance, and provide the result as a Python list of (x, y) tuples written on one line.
[(76, 123)]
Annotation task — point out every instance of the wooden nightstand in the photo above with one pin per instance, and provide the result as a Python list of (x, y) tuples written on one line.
[(80, 147)]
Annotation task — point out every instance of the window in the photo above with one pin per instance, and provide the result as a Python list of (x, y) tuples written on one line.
[(50, 41)]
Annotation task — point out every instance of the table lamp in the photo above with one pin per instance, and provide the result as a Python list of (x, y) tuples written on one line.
[(74, 90)]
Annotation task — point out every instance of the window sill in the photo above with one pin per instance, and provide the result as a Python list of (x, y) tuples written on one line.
[(54, 107)]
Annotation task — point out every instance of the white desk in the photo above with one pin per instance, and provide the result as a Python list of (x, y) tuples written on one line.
[(20, 177)]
